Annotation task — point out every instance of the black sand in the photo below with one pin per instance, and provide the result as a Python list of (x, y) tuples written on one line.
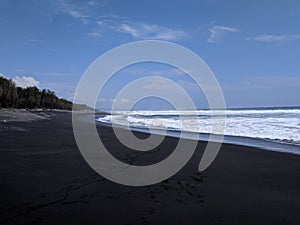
[(45, 180)]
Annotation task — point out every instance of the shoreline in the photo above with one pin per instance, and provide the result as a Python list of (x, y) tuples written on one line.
[(45, 180), (265, 128), (29, 115), (263, 144)]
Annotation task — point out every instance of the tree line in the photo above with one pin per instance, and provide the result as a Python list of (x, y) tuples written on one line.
[(12, 96)]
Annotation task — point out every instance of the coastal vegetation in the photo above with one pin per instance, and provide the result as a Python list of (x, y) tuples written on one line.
[(12, 96)]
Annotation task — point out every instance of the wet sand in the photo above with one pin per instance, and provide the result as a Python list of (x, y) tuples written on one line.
[(45, 180)]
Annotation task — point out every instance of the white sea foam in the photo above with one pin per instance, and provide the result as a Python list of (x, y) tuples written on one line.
[(210, 112), (273, 124)]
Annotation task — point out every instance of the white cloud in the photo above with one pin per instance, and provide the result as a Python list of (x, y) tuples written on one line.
[(150, 31), (124, 100), (92, 3), (25, 82), (74, 11), (130, 30), (106, 100), (102, 100), (95, 34), (113, 17), (275, 38), (19, 70), (100, 22), (2, 75), (37, 41), (137, 30), (172, 72), (217, 32)]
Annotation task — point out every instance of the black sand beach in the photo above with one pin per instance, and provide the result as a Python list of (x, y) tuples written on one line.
[(45, 180)]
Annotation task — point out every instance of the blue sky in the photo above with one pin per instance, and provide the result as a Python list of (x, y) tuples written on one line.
[(253, 47)]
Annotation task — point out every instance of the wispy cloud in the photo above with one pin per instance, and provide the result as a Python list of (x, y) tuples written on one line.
[(110, 17), (74, 11), (19, 70), (150, 31), (37, 41), (218, 32), (275, 38), (137, 30), (105, 100), (92, 2)]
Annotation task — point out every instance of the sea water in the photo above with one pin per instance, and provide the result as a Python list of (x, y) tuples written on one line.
[(269, 128)]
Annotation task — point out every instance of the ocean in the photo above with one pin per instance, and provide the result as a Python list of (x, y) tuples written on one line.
[(276, 129)]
